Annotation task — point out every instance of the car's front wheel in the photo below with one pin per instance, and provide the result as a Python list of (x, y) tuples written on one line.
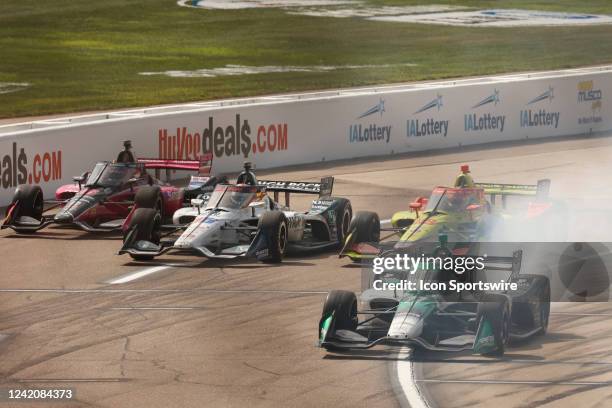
[(341, 307), (273, 224), (493, 314), (28, 201), (146, 225)]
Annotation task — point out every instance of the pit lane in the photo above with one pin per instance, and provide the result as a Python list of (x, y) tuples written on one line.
[(208, 333)]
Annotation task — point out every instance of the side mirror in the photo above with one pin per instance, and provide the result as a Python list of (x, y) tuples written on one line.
[(131, 182), (80, 179), (256, 204), (416, 206), (197, 202)]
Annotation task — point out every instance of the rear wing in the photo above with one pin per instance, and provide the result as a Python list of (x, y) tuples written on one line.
[(203, 165), (323, 188), (539, 190), (505, 263)]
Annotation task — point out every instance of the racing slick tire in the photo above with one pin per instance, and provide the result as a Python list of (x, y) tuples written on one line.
[(30, 203), (147, 222), (344, 215), (544, 307), (531, 310), (496, 309), (344, 306), (366, 226), (274, 225), (150, 197), (543, 285)]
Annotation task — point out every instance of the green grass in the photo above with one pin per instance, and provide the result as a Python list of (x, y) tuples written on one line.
[(86, 55)]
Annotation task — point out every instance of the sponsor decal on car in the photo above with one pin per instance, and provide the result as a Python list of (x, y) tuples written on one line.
[(290, 185), (18, 167), (428, 126), (370, 132), (296, 222), (540, 117), (223, 140), (589, 94), (474, 122)]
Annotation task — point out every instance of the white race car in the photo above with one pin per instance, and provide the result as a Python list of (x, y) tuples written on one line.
[(243, 220)]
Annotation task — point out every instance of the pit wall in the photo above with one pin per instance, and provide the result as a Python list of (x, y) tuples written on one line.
[(293, 129)]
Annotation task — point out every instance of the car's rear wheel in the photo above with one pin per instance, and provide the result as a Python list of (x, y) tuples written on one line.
[(344, 214), (544, 307), (146, 225), (150, 197), (273, 224)]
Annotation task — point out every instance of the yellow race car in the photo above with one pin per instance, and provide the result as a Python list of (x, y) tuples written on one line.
[(466, 212)]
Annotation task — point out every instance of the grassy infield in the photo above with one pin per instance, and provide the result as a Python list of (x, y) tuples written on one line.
[(85, 55)]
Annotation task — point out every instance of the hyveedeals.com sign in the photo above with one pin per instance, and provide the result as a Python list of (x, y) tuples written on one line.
[(294, 129)]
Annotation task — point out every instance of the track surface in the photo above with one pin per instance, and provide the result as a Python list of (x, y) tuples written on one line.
[(200, 333)]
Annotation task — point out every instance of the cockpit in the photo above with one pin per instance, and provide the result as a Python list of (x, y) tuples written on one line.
[(106, 174), (452, 200)]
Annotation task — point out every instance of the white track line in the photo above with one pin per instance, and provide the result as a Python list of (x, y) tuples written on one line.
[(580, 314), (197, 290), (158, 308), (68, 380), (408, 381), (137, 275), (575, 383)]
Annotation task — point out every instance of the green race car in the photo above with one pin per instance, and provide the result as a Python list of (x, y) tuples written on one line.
[(424, 308)]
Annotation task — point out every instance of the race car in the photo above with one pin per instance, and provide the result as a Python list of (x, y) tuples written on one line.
[(462, 212), (103, 199), (242, 220), (435, 315)]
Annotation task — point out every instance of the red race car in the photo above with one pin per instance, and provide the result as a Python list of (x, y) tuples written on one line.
[(104, 199)]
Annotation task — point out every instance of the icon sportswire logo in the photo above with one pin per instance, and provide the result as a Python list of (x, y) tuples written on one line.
[(540, 117), (473, 122), (427, 126), (371, 132), (378, 108)]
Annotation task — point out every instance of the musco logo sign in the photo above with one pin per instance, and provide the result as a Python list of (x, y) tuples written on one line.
[(238, 138), (429, 126), (540, 117), (480, 122), (588, 94), (372, 132)]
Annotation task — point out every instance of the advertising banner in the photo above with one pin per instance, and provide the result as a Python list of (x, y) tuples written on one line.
[(292, 131)]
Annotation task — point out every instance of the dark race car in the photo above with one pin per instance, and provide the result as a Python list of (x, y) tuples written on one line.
[(482, 319), (103, 199)]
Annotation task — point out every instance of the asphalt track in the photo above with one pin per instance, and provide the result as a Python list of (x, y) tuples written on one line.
[(191, 333)]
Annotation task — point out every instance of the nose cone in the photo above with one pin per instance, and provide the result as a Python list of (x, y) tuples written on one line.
[(201, 232), (63, 218), (406, 326)]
